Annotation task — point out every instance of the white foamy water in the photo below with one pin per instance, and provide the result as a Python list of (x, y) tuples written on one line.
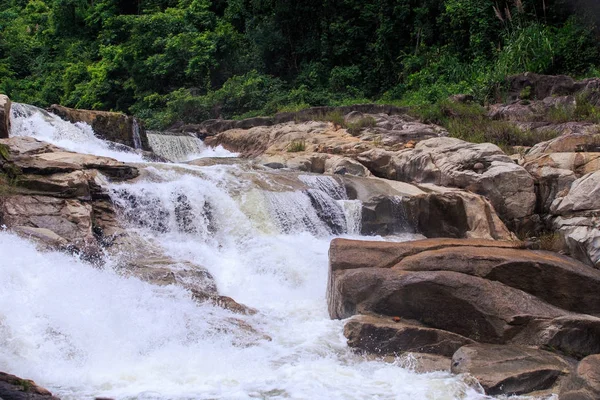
[(85, 332), (27, 120), (179, 148)]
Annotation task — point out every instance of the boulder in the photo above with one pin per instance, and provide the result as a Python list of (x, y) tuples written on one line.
[(543, 86), (391, 207), (584, 383), (112, 126), (67, 218), (558, 280), (511, 295), (385, 336), (439, 299), (509, 370), (15, 388), (450, 162), (583, 195), (4, 116), (575, 336), (575, 137)]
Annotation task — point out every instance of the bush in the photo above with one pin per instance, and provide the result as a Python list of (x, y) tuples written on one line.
[(296, 146)]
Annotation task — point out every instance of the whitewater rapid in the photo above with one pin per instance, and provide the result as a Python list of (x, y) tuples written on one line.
[(87, 332)]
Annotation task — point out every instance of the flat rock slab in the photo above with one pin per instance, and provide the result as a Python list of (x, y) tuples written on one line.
[(510, 370), (384, 336)]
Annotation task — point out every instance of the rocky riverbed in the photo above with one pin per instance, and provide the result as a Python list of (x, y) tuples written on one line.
[(464, 296)]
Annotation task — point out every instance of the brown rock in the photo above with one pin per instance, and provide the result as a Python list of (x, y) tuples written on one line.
[(4, 116), (68, 218), (385, 336), (510, 370), (556, 279), (439, 299), (112, 126), (15, 388), (584, 383)]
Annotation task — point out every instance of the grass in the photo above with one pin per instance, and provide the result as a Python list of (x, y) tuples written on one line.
[(355, 128), (338, 120), (470, 123), (583, 111), (296, 146)]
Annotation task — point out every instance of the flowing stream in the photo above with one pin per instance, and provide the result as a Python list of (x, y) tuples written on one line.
[(85, 332)]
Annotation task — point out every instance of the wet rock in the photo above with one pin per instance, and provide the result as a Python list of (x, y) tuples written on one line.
[(4, 116), (584, 383), (15, 388), (439, 299), (44, 237), (511, 295), (67, 218), (223, 301), (162, 271), (509, 370), (391, 207), (112, 126), (384, 336)]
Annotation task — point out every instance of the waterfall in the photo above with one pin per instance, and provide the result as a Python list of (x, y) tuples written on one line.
[(27, 120), (180, 148), (86, 332), (135, 132)]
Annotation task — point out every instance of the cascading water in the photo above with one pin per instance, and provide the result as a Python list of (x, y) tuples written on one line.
[(27, 120), (85, 332), (137, 139), (179, 148)]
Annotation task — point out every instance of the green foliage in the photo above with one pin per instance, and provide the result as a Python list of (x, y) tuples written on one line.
[(296, 146), (583, 110), (469, 122), (188, 60), (355, 128)]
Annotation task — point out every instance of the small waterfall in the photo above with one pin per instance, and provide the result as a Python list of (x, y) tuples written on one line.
[(325, 184), (27, 120), (181, 148), (137, 139)]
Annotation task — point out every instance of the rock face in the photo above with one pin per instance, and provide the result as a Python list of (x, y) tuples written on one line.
[(112, 126), (384, 336), (480, 300), (15, 388), (510, 370), (575, 210), (4, 116), (544, 86), (584, 384), (451, 162), (390, 207)]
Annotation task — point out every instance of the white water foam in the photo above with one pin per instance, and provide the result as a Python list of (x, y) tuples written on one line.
[(85, 332), (179, 148), (27, 120)]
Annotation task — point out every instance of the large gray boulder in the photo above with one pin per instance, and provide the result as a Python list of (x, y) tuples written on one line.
[(479, 168)]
